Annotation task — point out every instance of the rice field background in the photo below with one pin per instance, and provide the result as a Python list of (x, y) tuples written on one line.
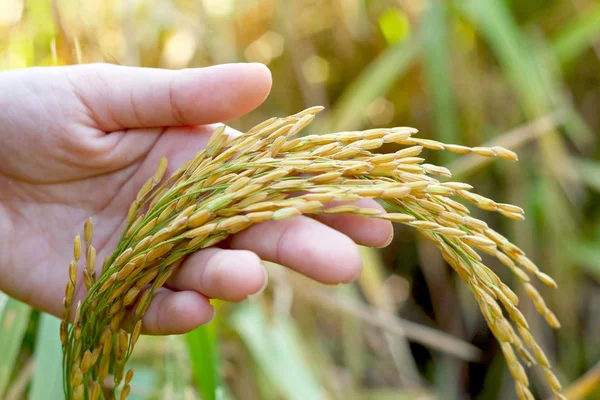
[(524, 75)]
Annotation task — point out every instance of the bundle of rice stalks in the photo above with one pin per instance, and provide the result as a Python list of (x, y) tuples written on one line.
[(266, 174)]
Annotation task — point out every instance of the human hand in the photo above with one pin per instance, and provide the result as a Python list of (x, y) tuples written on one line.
[(80, 141)]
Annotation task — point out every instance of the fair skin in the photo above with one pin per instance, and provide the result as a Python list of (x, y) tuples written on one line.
[(78, 142)]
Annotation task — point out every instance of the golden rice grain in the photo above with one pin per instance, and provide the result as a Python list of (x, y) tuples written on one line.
[(266, 175)]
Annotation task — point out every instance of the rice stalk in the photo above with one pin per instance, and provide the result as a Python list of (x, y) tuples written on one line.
[(267, 174)]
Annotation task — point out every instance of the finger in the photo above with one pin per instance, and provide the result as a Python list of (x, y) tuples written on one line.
[(121, 97), (173, 313), (365, 231), (229, 275), (176, 144), (304, 245)]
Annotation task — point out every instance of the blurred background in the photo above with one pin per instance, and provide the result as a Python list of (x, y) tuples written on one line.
[(522, 74)]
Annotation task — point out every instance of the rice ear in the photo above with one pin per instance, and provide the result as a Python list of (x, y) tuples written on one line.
[(238, 182)]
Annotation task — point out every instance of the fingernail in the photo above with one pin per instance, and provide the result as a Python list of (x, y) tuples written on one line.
[(214, 314), (264, 286), (387, 243)]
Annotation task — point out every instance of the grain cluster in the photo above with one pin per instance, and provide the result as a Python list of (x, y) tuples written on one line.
[(268, 174)]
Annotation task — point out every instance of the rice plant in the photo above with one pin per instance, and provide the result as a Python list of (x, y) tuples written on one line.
[(267, 174)]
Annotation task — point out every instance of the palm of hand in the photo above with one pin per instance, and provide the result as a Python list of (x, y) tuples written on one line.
[(80, 141)]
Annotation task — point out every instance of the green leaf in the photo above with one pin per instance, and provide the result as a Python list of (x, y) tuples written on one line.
[(572, 40), (14, 318), (373, 82), (47, 373), (204, 354), (513, 50), (586, 255), (589, 171), (528, 69), (437, 70), (276, 347)]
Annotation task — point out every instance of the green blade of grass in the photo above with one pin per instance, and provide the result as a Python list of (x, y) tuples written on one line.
[(494, 21), (572, 40), (589, 170), (525, 66), (276, 347), (374, 81), (47, 374), (437, 70), (549, 69), (586, 254), (530, 78), (14, 317), (516, 54), (204, 355)]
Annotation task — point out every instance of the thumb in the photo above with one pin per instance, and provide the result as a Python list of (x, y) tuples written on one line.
[(119, 97)]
